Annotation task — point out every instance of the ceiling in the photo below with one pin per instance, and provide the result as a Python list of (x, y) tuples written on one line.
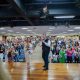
[(59, 30), (32, 12)]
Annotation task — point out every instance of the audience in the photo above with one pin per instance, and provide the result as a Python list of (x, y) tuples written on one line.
[(65, 51)]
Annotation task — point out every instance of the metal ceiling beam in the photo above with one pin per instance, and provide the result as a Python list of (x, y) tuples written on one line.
[(4, 5), (64, 12), (54, 12), (51, 3), (18, 5), (8, 13), (14, 23), (41, 22)]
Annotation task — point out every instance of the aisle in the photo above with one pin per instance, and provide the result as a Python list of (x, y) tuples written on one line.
[(36, 57), (59, 71)]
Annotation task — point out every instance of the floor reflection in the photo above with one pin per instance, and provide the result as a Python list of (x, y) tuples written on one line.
[(11, 65), (36, 73)]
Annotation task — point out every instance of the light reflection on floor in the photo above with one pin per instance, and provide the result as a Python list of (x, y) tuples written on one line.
[(33, 70)]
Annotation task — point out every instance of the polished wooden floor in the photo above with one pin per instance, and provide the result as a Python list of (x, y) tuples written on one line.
[(32, 69), (20, 71)]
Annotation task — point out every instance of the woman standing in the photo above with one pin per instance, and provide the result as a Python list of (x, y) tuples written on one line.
[(69, 55), (62, 55), (30, 48)]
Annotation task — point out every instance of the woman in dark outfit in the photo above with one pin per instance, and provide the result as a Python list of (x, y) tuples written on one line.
[(10, 55)]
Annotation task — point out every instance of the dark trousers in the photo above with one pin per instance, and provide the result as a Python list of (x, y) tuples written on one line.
[(77, 59), (43, 57), (46, 60), (69, 59)]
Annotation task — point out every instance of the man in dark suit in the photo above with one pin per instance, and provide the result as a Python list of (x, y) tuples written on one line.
[(45, 51)]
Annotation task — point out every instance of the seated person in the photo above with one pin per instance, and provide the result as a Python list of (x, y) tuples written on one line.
[(55, 58)]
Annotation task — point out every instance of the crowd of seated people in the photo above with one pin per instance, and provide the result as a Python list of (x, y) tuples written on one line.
[(65, 51), (15, 49), (11, 50)]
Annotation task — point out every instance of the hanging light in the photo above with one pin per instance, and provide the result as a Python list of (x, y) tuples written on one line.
[(56, 24), (45, 9), (64, 16), (67, 25)]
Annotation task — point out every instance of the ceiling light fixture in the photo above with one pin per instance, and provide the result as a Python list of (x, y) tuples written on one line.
[(64, 16), (29, 30), (77, 28), (70, 30), (64, 32), (24, 28), (17, 32), (10, 30), (2, 28), (51, 28)]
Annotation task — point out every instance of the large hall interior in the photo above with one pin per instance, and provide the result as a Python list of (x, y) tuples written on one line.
[(39, 39)]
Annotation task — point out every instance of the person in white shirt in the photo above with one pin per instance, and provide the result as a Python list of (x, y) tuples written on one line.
[(30, 48)]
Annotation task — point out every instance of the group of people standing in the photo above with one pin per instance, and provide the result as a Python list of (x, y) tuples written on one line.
[(61, 51), (14, 49), (11, 50), (65, 51)]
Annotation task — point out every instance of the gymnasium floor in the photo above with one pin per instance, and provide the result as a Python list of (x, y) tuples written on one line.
[(33, 70)]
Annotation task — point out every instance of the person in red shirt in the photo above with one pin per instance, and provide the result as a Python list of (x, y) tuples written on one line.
[(69, 55)]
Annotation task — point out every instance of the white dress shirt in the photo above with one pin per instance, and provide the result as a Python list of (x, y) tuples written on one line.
[(48, 43)]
